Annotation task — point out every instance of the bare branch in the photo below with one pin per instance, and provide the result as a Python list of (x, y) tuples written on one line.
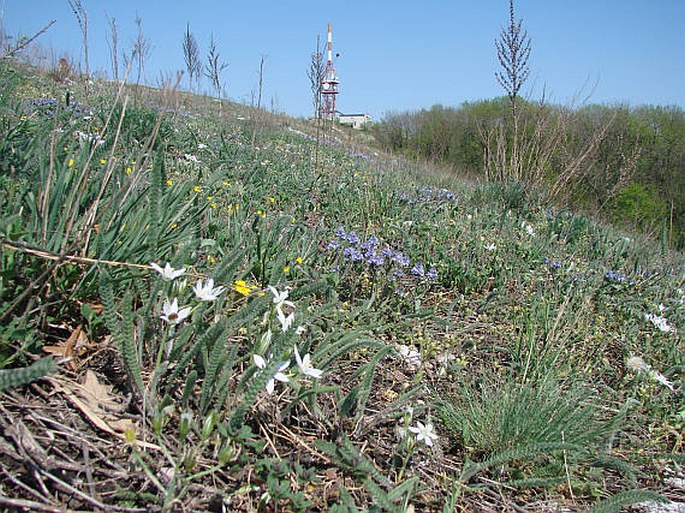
[(24, 42)]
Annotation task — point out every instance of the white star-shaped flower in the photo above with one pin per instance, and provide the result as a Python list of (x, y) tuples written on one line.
[(424, 433), (306, 366), (278, 372), (168, 272), (286, 321), (207, 291), (280, 298), (171, 313)]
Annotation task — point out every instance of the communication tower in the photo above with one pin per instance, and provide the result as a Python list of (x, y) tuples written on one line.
[(329, 84)]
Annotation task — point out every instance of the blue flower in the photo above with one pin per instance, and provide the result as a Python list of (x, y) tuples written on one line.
[(333, 245), (353, 238), (398, 257), (340, 233), (353, 254), (432, 274), (418, 270), (615, 276)]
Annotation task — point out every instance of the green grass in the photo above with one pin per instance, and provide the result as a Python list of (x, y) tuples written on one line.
[(523, 315)]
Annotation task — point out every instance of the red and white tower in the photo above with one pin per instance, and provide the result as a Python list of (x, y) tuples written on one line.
[(329, 84)]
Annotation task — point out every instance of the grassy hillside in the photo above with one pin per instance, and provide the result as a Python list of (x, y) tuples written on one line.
[(336, 329)]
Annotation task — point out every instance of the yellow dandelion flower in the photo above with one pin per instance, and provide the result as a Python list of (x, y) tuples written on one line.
[(286, 269), (272, 199), (174, 226), (227, 184), (292, 220), (197, 188), (299, 260), (241, 287), (169, 183), (211, 259), (212, 205), (129, 170), (103, 161), (70, 163)]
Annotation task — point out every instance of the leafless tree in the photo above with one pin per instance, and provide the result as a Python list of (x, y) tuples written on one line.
[(257, 110), (315, 73), (191, 55), (113, 44), (213, 69), (513, 52), (141, 49), (82, 18)]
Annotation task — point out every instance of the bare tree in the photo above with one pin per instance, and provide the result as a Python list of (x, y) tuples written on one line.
[(191, 55), (82, 19), (513, 52), (141, 49), (213, 69), (113, 44), (257, 112), (315, 73)]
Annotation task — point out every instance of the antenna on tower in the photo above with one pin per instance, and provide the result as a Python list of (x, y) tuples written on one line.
[(329, 84)]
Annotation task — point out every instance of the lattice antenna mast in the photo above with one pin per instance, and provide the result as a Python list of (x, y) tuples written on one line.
[(329, 84)]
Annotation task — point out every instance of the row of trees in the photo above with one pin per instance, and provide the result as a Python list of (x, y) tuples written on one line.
[(627, 163)]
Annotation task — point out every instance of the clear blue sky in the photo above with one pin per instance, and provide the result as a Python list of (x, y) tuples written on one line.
[(395, 55)]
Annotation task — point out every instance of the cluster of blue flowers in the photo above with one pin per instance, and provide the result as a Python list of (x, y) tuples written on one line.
[(49, 106), (427, 195), (370, 253), (554, 264), (616, 276)]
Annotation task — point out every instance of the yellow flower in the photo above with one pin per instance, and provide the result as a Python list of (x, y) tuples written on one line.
[(169, 183), (103, 161), (292, 220), (96, 129), (211, 259), (241, 287), (129, 170), (23, 118), (261, 213), (272, 199), (197, 188), (174, 226), (212, 205), (286, 269), (227, 184), (70, 163), (299, 260)]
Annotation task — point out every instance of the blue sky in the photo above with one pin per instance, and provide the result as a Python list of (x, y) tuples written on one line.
[(395, 55)]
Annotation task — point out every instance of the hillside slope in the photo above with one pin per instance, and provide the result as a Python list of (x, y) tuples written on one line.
[(324, 328)]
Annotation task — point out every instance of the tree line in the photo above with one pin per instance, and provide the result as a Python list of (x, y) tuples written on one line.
[(626, 163)]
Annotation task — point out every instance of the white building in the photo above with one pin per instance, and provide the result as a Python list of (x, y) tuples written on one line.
[(356, 121)]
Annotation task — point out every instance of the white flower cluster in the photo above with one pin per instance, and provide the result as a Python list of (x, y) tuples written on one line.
[(660, 322), (280, 300), (204, 291)]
